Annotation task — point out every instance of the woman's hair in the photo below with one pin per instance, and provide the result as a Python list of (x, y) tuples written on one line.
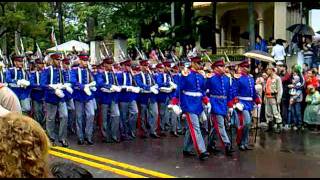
[(23, 148)]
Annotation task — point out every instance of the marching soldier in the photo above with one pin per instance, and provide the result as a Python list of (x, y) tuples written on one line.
[(108, 88), (192, 89), (37, 93), (18, 80), (220, 91), (127, 101), (68, 95), (244, 98), (52, 81), (163, 80), (83, 83), (147, 99)]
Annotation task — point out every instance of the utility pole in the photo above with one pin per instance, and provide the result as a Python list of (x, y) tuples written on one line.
[(251, 33)]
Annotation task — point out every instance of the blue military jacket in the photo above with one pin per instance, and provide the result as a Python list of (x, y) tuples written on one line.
[(51, 75), (66, 76), (163, 80), (144, 81), (192, 89), (244, 88), (220, 93), (37, 93), (79, 78), (126, 79), (105, 80), (12, 76)]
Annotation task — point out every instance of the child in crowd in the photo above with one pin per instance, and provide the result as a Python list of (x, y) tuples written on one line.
[(296, 97)]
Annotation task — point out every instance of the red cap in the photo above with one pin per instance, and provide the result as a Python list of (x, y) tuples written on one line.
[(196, 59), (244, 63), (18, 58), (144, 63), (38, 61), (66, 61), (136, 68), (108, 60), (56, 56), (218, 62), (167, 64), (126, 63), (117, 65), (175, 67), (160, 65)]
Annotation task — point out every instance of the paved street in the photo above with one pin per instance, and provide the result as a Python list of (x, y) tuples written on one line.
[(290, 154)]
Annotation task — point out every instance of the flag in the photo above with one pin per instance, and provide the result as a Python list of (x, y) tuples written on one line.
[(39, 54), (22, 47), (53, 37)]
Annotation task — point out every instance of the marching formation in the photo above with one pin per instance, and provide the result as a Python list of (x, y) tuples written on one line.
[(130, 98)]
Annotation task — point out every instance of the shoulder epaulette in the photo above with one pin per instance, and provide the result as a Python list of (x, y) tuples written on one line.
[(185, 72), (250, 75), (74, 68), (228, 75), (202, 73)]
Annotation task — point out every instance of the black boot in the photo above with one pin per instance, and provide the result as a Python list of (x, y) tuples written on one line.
[(228, 150), (270, 127)]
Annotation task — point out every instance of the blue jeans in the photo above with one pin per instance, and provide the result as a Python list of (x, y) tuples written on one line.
[(294, 113), (246, 129)]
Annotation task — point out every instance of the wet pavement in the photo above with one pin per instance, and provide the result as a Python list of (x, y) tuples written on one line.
[(289, 154)]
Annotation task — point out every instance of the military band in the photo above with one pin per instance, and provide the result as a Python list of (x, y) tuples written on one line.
[(120, 98)]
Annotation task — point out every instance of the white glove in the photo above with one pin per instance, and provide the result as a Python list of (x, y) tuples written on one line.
[(154, 90), (176, 109), (135, 89), (208, 108), (173, 85), (165, 90), (87, 90), (24, 83), (170, 106), (59, 93), (203, 117), (53, 86), (19, 83), (60, 86), (239, 106), (69, 89), (92, 84), (115, 88), (106, 90), (128, 88), (93, 88), (230, 110)]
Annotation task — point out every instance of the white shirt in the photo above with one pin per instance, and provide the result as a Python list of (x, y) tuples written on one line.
[(278, 52)]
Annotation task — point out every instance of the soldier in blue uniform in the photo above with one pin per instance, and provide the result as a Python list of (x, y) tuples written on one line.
[(220, 93), (244, 96), (147, 99), (52, 82), (109, 89), (82, 83), (18, 80), (68, 95), (37, 93), (163, 80), (127, 101), (192, 89), (95, 74)]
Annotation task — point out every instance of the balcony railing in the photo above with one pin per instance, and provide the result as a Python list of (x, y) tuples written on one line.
[(231, 50)]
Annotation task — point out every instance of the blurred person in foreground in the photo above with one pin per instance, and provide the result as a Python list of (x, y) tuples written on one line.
[(23, 149), (8, 101)]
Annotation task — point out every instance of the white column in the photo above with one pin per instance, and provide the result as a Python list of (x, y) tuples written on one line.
[(222, 36), (280, 21), (261, 27)]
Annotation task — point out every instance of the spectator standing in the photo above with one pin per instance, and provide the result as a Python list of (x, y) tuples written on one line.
[(307, 48), (261, 44), (311, 114), (278, 51), (286, 80), (296, 97)]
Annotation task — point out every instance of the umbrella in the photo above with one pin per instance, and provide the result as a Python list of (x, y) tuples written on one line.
[(245, 35), (318, 32), (259, 55), (301, 29)]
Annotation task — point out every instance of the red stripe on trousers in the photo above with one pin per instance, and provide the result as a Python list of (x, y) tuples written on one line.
[(216, 127), (240, 128), (192, 133)]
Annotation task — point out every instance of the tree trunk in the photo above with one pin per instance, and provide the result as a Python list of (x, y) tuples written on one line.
[(173, 17), (187, 19), (251, 33), (60, 22), (214, 13)]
